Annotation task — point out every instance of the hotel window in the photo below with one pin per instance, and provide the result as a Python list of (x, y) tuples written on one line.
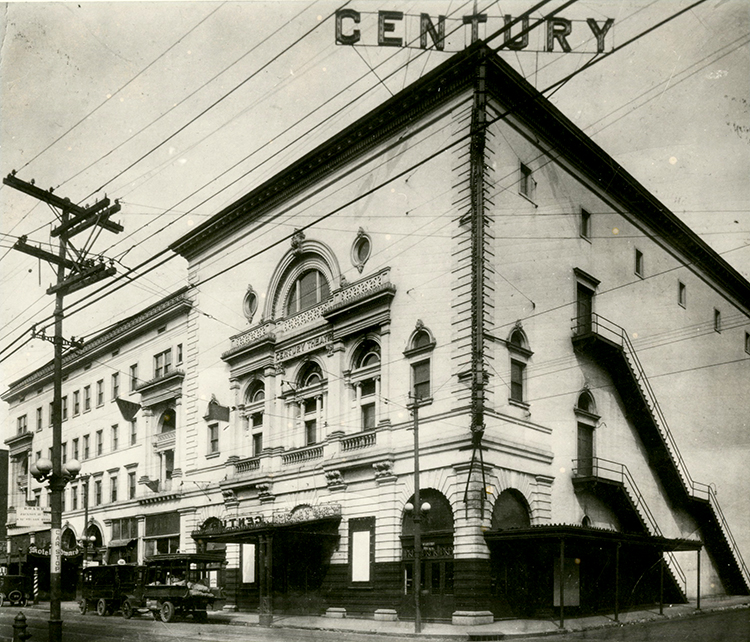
[(86, 447), (420, 348), (133, 377), (22, 424), (310, 289), (213, 439), (100, 392), (131, 485), (639, 263), (681, 294), (133, 431), (162, 534), (115, 436), (74, 498), (99, 442), (74, 454), (97, 492), (366, 383), (717, 320), (526, 182), (162, 363), (86, 398), (361, 550), (586, 224), (39, 419), (76, 403), (178, 354), (64, 401), (115, 385), (113, 489), (518, 347)]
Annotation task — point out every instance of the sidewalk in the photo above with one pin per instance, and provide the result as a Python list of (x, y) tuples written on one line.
[(496, 630)]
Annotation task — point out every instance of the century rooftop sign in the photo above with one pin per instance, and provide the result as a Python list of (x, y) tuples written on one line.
[(398, 29)]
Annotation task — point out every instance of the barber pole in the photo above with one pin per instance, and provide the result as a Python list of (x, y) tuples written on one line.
[(36, 585)]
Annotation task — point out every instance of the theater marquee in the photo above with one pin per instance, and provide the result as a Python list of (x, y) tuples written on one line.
[(423, 31)]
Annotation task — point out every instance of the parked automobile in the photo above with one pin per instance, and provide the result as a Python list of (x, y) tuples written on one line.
[(177, 584), (15, 589), (105, 588)]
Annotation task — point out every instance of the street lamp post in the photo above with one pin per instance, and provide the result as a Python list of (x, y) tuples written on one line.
[(57, 476)]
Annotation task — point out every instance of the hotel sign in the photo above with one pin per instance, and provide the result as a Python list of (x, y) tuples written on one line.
[(244, 523), (423, 31)]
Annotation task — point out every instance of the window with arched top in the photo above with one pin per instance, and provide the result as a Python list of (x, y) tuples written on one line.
[(168, 420), (587, 419), (518, 348), (308, 290), (586, 402), (365, 379), (308, 404), (419, 352), (255, 399), (511, 510)]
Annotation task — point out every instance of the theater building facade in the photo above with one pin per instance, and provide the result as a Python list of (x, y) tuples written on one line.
[(450, 259)]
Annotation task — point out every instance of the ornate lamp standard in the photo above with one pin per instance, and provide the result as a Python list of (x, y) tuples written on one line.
[(42, 470)]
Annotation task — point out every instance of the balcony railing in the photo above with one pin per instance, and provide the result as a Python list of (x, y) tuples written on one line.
[(301, 455), (359, 441), (165, 439), (247, 465)]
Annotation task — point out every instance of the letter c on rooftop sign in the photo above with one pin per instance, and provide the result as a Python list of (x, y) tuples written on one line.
[(354, 36)]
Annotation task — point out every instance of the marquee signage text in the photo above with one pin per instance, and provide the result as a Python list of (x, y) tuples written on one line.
[(398, 29), (299, 515)]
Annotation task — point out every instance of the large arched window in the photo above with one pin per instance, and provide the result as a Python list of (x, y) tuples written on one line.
[(511, 511), (255, 398), (366, 382), (308, 290), (309, 401)]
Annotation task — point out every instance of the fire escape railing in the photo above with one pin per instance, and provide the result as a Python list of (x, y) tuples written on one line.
[(596, 324), (605, 469)]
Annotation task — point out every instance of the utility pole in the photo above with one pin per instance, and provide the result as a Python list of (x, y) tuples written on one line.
[(73, 219)]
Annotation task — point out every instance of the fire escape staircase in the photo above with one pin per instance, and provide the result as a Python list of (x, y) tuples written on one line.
[(613, 482), (609, 345)]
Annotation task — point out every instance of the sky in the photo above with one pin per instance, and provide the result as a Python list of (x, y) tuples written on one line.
[(178, 108)]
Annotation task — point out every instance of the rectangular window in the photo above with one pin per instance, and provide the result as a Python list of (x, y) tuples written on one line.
[(86, 447), (65, 408), (717, 320), (74, 498), (361, 548), (75, 448), (421, 379), (517, 369), (115, 437), (125, 528), (311, 432), (257, 444), (133, 431), (64, 451), (22, 424), (681, 294), (526, 182), (51, 414), (115, 385), (100, 393), (585, 224), (213, 439), (368, 416), (76, 403), (113, 489), (178, 354), (131, 485), (162, 363), (99, 442), (133, 377), (39, 419), (248, 563), (97, 492), (639, 263)]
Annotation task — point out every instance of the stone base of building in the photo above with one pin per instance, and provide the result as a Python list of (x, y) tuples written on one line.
[(386, 615), (336, 612), (229, 607), (472, 618)]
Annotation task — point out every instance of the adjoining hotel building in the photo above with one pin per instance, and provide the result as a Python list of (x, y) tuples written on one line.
[(465, 247)]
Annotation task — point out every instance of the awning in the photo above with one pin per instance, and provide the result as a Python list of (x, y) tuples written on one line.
[(571, 532), (128, 409), (119, 543)]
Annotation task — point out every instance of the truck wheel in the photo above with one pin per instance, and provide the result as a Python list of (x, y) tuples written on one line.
[(83, 605), (102, 607), (15, 596), (166, 611), (127, 609)]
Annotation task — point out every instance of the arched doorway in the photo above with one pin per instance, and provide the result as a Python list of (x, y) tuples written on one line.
[(437, 570), (512, 568)]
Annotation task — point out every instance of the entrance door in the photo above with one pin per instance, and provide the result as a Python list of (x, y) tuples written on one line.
[(585, 450), (584, 309), (436, 597)]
